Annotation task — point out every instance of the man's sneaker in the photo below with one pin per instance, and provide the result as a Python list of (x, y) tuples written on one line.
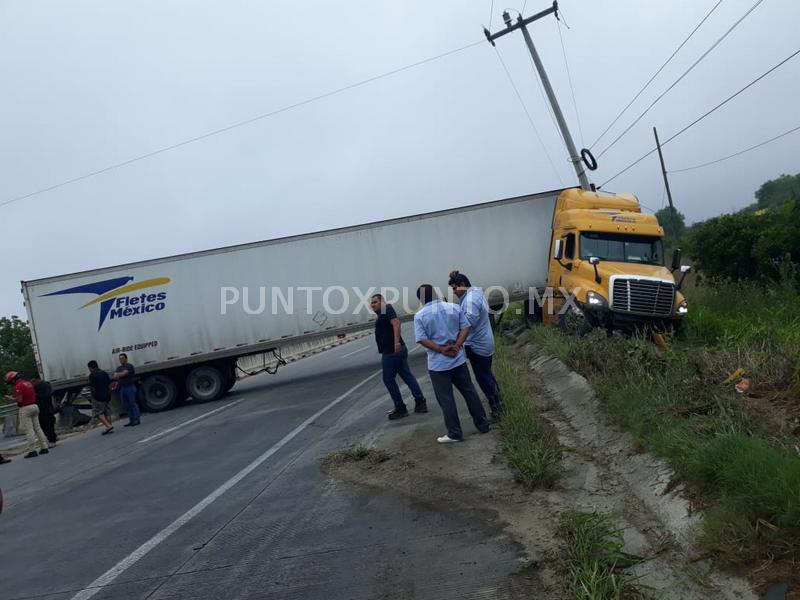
[(4, 460), (397, 414), (32, 454), (446, 439), (107, 431), (129, 424), (135, 423), (44, 451), (485, 429), (421, 407)]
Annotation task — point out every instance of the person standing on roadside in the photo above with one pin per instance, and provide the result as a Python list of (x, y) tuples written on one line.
[(25, 396), (125, 376), (100, 386), (442, 328), (479, 345), (47, 415), (394, 359)]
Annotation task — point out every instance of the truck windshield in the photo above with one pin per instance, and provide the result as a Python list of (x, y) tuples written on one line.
[(620, 247)]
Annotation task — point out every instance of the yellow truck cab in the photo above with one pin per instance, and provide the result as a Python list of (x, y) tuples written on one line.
[(609, 257)]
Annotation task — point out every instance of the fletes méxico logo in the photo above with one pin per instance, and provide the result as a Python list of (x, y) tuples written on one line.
[(117, 299)]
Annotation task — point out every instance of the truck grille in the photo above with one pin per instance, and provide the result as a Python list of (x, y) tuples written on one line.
[(643, 296)]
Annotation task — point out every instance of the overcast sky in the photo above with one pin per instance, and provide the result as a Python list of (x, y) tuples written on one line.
[(88, 84)]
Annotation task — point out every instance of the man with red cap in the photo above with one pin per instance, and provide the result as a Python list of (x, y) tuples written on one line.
[(25, 396)]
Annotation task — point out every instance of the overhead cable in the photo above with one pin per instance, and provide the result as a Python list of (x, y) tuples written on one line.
[(661, 68), (704, 115), (238, 124), (679, 79)]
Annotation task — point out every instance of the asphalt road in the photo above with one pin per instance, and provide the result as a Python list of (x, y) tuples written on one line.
[(227, 500)]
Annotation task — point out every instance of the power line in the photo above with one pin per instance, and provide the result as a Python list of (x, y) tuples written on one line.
[(240, 124), (684, 74), (491, 14), (528, 114), (703, 116), (569, 78), (661, 68), (713, 162)]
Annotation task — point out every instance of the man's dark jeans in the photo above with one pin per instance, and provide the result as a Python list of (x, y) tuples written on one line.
[(443, 382), (127, 394), (394, 365), (482, 367)]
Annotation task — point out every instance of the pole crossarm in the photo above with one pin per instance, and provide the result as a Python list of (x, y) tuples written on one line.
[(491, 37)]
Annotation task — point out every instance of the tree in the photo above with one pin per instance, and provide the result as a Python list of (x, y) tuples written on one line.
[(16, 347), (748, 245), (673, 222), (776, 192)]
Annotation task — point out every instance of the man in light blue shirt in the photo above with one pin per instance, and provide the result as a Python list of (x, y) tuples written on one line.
[(480, 342), (442, 328)]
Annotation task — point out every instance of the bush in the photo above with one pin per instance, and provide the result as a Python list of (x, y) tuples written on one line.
[(753, 246)]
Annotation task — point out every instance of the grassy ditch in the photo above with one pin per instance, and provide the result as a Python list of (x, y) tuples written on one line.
[(595, 559), (739, 453), (529, 442)]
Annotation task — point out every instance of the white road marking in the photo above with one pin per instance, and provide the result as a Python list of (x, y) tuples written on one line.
[(189, 422), (106, 578), (355, 351)]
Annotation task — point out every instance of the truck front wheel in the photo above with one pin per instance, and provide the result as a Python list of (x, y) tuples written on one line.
[(205, 383), (574, 321), (159, 392)]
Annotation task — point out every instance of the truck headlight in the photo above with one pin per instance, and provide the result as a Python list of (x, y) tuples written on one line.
[(683, 308), (595, 300)]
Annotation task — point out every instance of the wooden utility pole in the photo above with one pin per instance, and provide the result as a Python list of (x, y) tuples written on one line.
[(673, 216)]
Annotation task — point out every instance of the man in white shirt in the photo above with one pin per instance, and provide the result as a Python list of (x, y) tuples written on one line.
[(442, 328), (479, 344)]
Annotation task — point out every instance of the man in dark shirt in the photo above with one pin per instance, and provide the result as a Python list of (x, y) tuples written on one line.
[(394, 359), (47, 415), (125, 375), (99, 383)]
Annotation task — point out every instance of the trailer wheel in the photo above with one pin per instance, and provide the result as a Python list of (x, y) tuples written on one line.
[(205, 383), (230, 377), (159, 392)]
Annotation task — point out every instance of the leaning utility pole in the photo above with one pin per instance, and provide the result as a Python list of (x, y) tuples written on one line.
[(666, 185), (522, 24)]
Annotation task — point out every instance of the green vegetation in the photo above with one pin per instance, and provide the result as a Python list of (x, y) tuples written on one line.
[(746, 245), (738, 452), (778, 191), (758, 243), (673, 222), (529, 442), (16, 349), (356, 453), (596, 560)]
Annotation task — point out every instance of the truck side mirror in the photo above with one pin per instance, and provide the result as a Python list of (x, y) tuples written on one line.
[(594, 261), (676, 259), (684, 272), (558, 251)]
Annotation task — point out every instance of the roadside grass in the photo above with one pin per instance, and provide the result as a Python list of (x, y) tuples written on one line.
[(595, 559), (529, 442), (739, 454), (356, 453)]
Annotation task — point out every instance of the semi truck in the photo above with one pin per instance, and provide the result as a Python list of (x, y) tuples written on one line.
[(184, 321)]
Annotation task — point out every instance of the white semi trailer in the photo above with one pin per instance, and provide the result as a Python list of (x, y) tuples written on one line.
[(185, 320)]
